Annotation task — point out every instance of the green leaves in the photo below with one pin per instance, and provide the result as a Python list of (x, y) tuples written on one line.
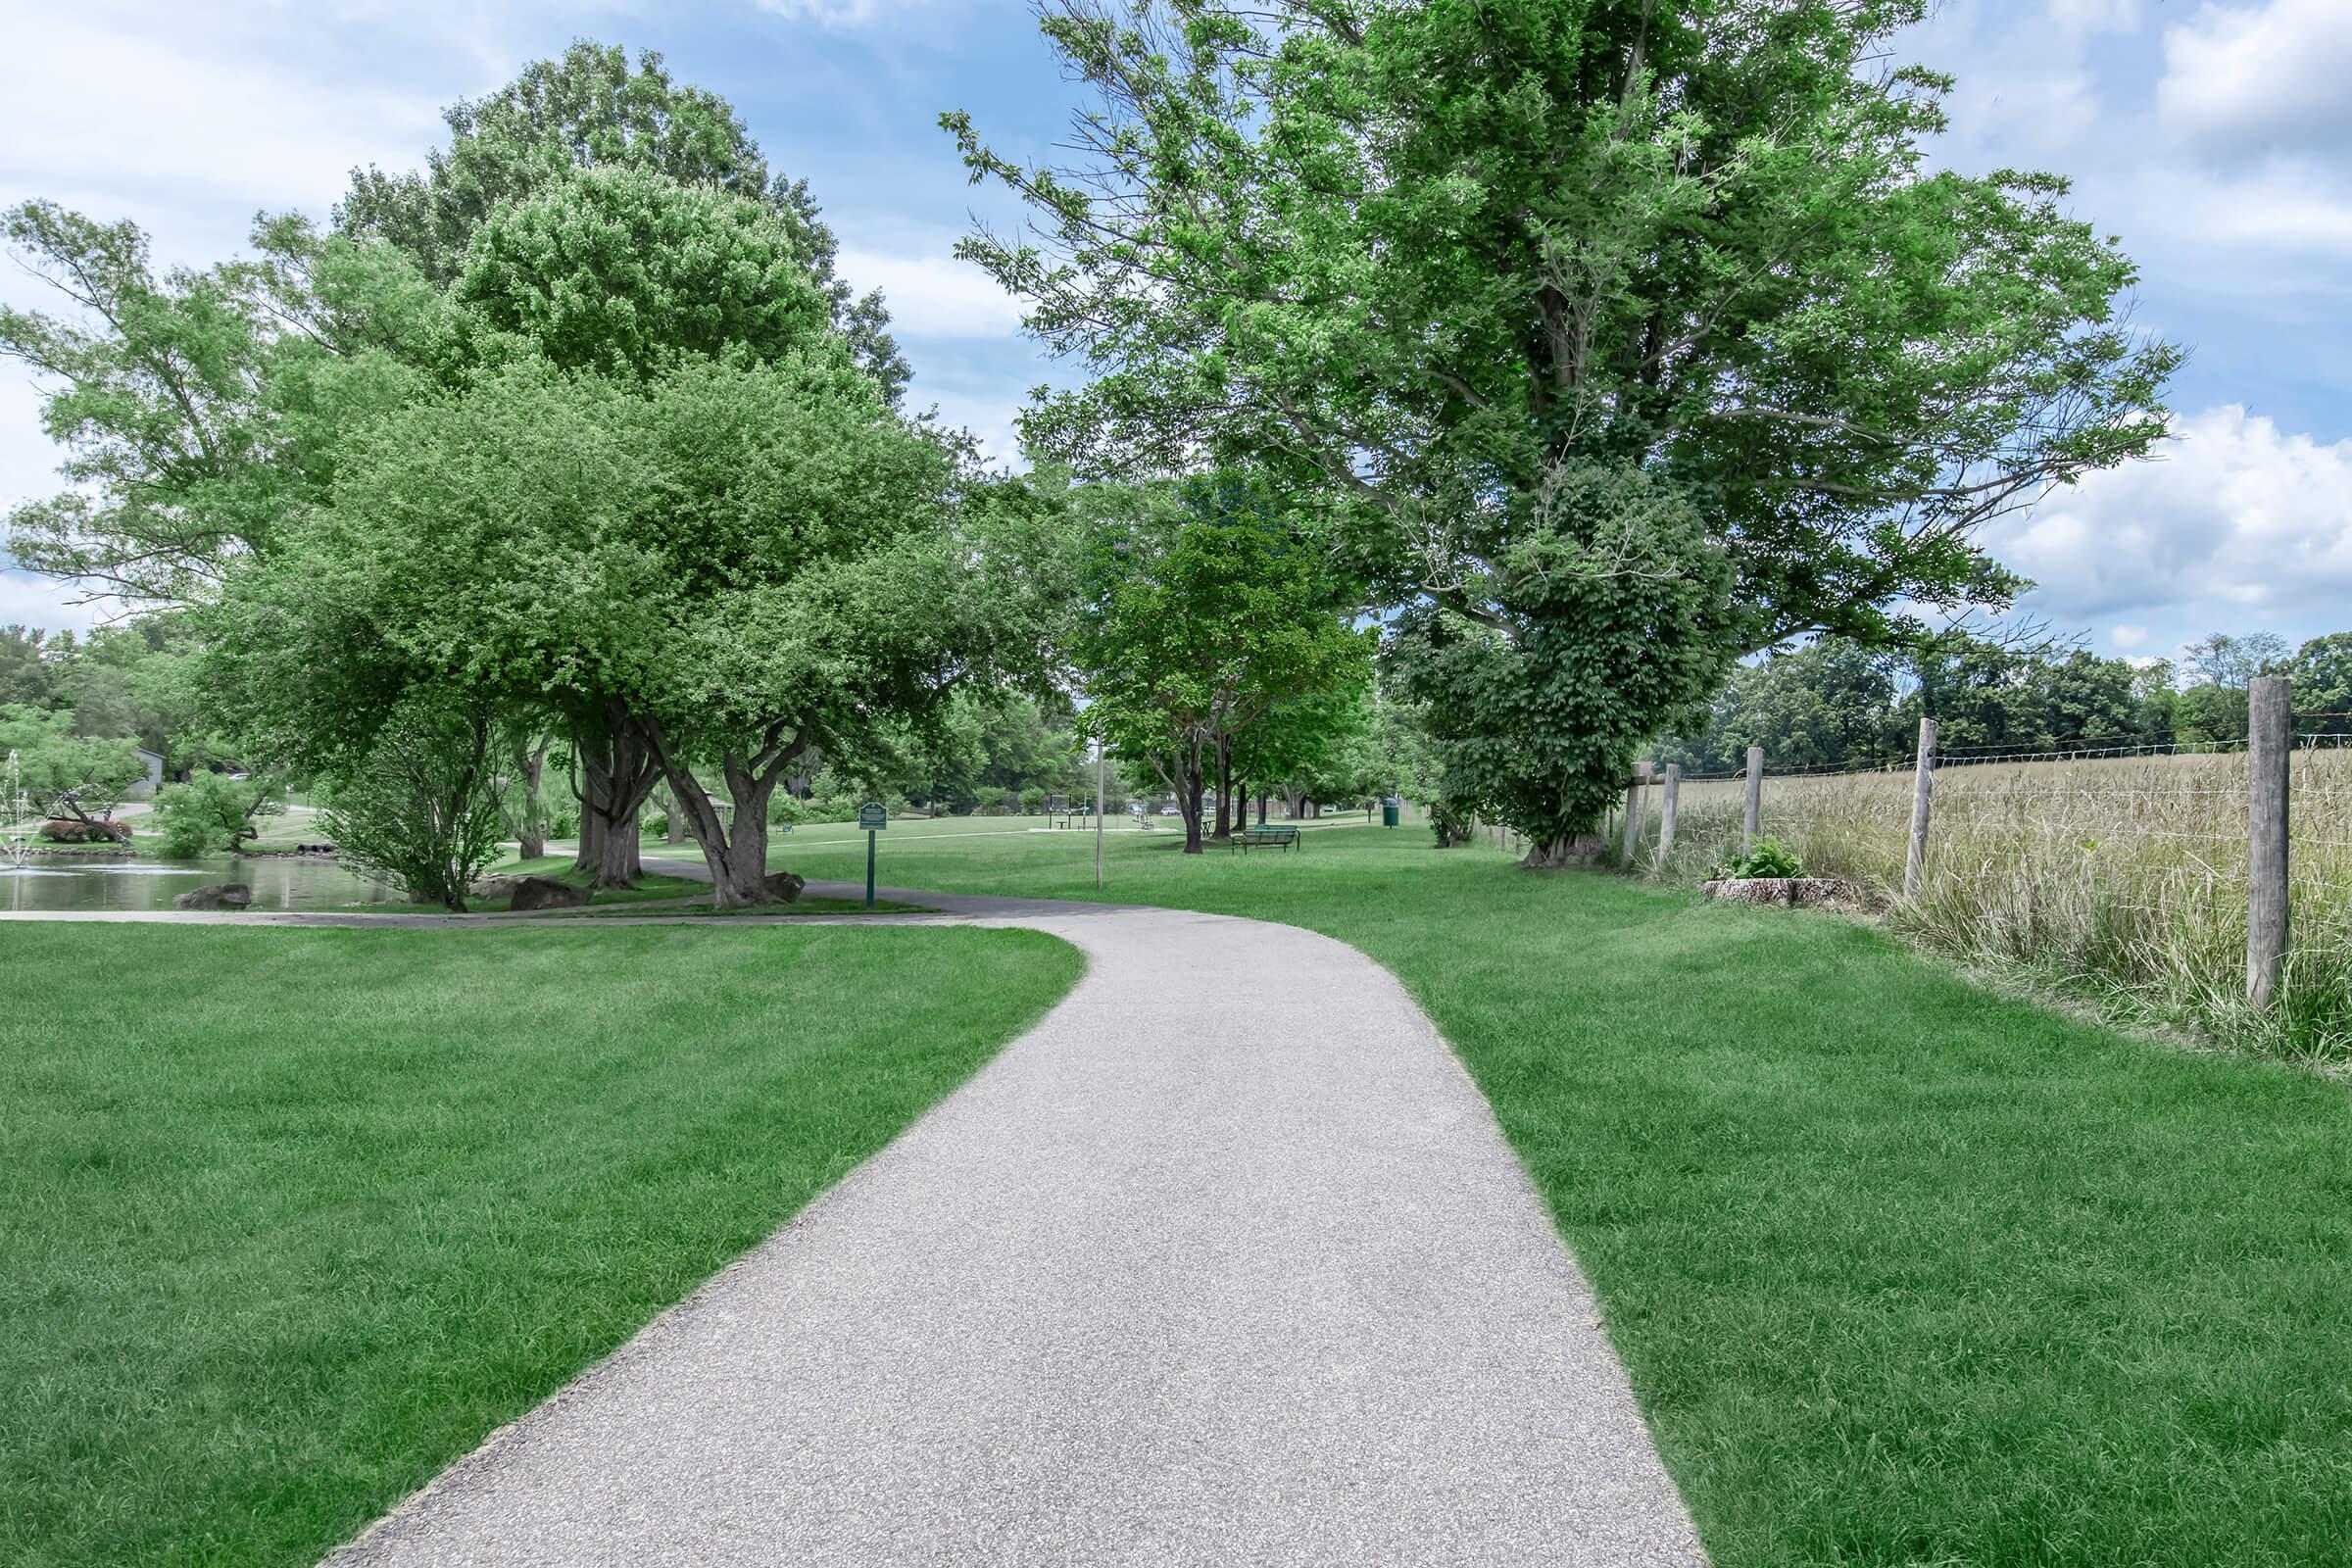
[(1201, 620), (590, 110), (66, 775), (625, 271), (1439, 260)]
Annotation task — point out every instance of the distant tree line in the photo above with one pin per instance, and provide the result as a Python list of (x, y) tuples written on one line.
[(1832, 703)]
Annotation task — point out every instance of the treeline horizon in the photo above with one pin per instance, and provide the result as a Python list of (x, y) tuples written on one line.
[(1835, 703)]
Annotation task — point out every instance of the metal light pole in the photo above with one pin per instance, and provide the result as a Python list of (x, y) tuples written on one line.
[(1097, 813)]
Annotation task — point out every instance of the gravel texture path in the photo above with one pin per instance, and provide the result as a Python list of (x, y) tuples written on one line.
[(1224, 1262)]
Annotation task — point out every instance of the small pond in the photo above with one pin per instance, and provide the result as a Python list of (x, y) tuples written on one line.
[(279, 882)]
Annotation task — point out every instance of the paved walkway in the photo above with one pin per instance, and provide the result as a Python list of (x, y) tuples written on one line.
[(1225, 1262)]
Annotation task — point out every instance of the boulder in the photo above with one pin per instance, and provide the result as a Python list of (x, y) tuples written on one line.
[(544, 893), (494, 887), (219, 895), (70, 830), (785, 886), (1787, 891)]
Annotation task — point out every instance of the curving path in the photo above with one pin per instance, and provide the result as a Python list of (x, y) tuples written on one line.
[(1224, 1262)]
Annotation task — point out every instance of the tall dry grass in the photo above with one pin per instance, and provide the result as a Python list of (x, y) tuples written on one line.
[(2122, 881)]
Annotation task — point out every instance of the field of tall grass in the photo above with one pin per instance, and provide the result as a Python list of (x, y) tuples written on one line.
[(2120, 881)]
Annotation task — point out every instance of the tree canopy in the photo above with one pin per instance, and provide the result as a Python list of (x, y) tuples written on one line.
[(591, 110), (1200, 621), (728, 563), (625, 272), (1471, 268)]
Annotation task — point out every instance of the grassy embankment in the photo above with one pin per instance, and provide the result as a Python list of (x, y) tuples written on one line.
[(296, 1217), (2120, 882), (1905, 1272)]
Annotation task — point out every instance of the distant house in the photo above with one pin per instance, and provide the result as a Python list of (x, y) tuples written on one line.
[(145, 789)]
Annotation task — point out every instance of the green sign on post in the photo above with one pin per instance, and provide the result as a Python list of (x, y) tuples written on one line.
[(873, 818)]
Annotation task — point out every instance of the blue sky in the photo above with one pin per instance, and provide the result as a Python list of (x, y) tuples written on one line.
[(2211, 136)]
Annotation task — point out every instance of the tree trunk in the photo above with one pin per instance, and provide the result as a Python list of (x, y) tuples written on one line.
[(1564, 848), (1191, 788), (618, 773), (1225, 822), (531, 836), (675, 832), (591, 839), (736, 851), (1261, 807), (1293, 801)]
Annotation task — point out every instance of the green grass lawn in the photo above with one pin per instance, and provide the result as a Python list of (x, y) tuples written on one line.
[(1904, 1272), (293, 1218), (652, 888)]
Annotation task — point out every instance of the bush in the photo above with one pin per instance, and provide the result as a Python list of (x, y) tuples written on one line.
[(1033, 801), (212, 814), (423, 810), (562, 818)]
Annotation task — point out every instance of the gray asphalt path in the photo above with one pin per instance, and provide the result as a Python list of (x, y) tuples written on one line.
[(1225, 1262)]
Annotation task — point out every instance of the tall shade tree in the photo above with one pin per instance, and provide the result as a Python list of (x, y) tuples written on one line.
[(1199, 622), (725, 568), (1489, 273), (592, 110), (624, 271), (2321, 670)]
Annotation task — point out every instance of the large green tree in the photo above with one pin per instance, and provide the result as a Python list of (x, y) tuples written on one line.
[(623, 273), (1659, 288), (1200, 621), (592, 110), (726, 566), (65, 774)]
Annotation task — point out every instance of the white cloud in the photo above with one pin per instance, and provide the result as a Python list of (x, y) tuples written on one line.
[(2263, 77), (934, 296), (2237, 513), (836, 13), (2128, 636), (2095, 16), (117, 117), (43, 602)]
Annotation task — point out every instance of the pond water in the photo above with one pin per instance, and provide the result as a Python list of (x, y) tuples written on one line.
[(279, 882)]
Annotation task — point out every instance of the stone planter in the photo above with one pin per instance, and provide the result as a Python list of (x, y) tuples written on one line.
[(1787, 892)]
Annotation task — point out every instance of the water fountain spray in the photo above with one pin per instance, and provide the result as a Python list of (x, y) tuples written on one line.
[(17, 840)]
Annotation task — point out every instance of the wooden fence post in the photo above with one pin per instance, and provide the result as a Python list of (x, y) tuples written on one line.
[(1666, 805), (1632, 812), (1923, 788), (1755, 798), (2269, 746)]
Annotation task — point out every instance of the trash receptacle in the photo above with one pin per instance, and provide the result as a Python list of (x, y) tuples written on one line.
[(1389, 810)]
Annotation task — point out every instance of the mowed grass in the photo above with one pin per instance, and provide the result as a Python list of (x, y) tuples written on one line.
[(652, 886), (1904, 1272), (293, 1218)]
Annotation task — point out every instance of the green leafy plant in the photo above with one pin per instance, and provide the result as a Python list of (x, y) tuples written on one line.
[(423, 809), (213, 814), (1767, 859)]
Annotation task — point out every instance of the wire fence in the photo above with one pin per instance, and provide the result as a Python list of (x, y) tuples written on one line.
[(2129, 870)]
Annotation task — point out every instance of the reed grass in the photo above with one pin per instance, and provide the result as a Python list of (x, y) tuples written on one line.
[(2118, 881)]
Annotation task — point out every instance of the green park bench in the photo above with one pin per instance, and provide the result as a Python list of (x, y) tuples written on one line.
[(1268, 837)]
